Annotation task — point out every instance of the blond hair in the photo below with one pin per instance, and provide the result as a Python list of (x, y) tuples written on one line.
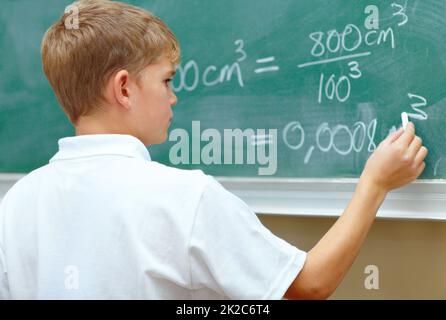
[(110, 36)]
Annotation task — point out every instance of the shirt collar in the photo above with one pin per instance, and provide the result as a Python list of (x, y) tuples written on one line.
[(99, 145)]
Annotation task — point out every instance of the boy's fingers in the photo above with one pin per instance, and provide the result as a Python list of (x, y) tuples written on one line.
[(414, 147), (420, 169), (394, 136), (420, 156), (408, 135)]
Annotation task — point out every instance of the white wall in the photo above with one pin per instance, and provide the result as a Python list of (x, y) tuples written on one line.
[(410, 256)]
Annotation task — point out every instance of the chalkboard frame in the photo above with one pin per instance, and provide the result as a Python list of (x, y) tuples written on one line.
[(421, 200)]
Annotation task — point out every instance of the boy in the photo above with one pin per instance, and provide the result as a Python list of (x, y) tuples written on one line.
[(102, 221)]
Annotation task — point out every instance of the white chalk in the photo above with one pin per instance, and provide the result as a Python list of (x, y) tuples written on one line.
[(405, 119)]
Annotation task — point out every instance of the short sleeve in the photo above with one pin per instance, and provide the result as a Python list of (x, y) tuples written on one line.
[(233, 254)]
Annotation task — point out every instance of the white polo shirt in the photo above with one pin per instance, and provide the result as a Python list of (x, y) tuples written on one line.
[(103, 221)]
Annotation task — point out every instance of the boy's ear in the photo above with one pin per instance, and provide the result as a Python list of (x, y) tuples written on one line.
[(121, 88)]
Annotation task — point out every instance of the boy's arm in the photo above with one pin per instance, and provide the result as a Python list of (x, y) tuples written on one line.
[(397, 161)]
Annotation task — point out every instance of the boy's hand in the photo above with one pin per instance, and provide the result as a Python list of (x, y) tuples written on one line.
[(398, 160)]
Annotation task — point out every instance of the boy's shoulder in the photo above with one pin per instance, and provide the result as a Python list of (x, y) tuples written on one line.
[(165, 170), (150, 173), (23, 183), (175, 178)]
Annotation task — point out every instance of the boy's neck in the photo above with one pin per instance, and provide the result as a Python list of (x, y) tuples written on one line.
[(92, 125)]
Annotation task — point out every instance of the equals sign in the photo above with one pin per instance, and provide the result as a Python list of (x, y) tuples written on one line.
[(266, 69)]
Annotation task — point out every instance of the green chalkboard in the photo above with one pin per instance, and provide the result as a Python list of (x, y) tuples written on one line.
[(287, 88)]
